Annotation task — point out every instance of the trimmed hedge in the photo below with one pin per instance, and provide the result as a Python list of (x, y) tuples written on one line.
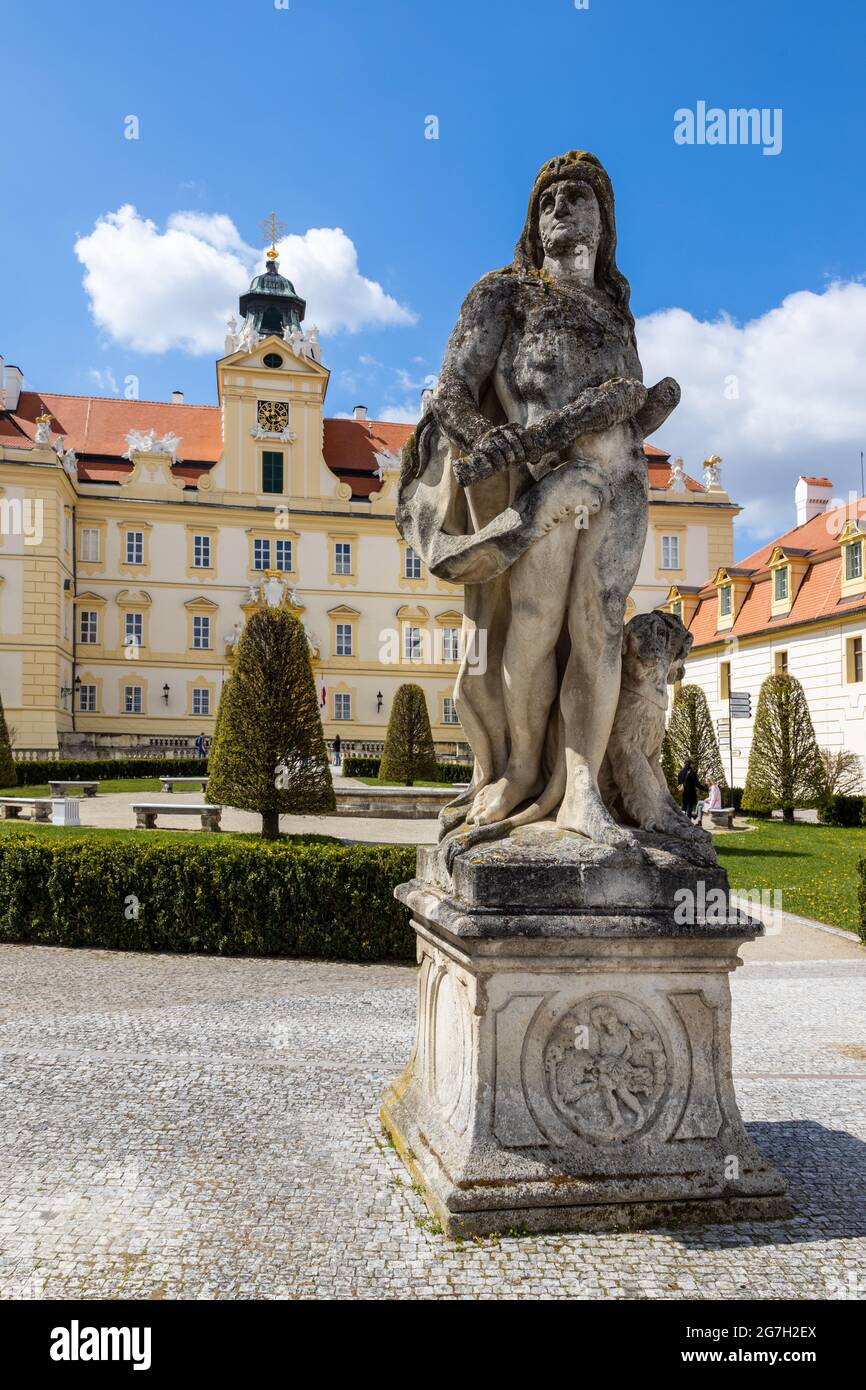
[(843, 810), (445, 772), (105, 769), (257, 898), (862, 896)]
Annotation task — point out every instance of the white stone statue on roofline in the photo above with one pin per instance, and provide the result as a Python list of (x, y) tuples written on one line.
[(713, 472), (678, 476)]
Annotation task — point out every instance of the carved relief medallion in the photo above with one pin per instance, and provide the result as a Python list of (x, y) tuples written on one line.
[(606, 1068)]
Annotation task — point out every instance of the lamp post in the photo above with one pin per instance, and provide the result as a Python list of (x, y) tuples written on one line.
[(379, 702), (165, 690)]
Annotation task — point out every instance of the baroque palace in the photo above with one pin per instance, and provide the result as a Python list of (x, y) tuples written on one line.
[(136, 536)]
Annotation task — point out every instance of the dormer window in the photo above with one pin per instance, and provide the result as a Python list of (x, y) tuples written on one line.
[(725, 601), (854, 560), (781, 584)]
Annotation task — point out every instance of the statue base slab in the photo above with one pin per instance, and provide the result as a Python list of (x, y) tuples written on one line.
[(571, 1068)]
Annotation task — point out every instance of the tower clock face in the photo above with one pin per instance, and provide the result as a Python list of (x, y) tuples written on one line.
[(273, 416)]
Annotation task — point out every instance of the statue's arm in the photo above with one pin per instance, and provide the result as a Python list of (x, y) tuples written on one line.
[(470, 359)]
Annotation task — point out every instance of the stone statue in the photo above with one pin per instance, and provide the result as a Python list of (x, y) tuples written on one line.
[(712, 472), (526, 481)]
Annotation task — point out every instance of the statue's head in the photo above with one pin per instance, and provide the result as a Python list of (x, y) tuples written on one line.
[(582, 213), (654, 647)]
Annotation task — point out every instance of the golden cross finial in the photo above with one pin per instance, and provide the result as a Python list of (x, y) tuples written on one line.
[(272, 230)]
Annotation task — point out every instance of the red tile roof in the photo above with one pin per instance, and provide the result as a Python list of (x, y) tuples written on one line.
[(818, 595), (96, 427)]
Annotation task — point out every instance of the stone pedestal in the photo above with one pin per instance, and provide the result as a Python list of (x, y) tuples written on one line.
[(572, 1068)]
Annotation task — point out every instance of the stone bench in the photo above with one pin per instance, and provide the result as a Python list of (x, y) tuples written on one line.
[(146, 813), (168, 784), (63, 788), (723, 818), (11, 806), (66, 810)]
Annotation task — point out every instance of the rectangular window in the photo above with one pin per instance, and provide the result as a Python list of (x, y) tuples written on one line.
[(342, 557), (854, 653), (88, 626), (451, 644), (670, 552), (854, 560), (725, 601), (344, 639), (201, 552), (449, 711), (261, 555), (90, 545), (342, 707), (413, 564), (284, 555), (133, 630), (724, 680), (135, 547), (87, 699), (781, 663), (200, 632), (200, 700), (780, 584), (677, 609), (272, 471), (411, 643), (132, 699)]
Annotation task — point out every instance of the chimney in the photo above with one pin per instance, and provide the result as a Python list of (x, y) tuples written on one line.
[(359, 413), (812, 497), (177, 398), (14, 382)]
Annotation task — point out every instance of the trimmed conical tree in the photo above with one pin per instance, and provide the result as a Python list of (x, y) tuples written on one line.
[(690, 734), (8, 771), (785, 767), (268, 753), (409, 755)]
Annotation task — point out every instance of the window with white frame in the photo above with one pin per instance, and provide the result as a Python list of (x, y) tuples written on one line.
[(87, 699), (133, 634), (342, 706), (135, 547), (201, 552), (89, 545), (725, 601), (261, 555), (284, 554), (450, 644), (449, 711), (412, 564), (342, 557), (780, 584), (132, 699), (854, 560), (670, 552), (411, 643), (200, 700), (343, 639), (88, 626), (200, 631)]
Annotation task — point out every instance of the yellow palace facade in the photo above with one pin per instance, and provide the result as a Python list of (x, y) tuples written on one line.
[(136, 537)]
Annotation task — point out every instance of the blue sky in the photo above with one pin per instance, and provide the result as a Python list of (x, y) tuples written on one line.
[(319, 111)]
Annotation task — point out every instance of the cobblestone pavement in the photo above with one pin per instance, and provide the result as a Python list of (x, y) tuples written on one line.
[(200, 1128)]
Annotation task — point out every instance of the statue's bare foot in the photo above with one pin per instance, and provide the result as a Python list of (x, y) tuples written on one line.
[(496, 802), (585, 812)]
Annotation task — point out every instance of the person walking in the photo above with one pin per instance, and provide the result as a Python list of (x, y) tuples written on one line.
[(691, 784), (337, 746), (199, 745)]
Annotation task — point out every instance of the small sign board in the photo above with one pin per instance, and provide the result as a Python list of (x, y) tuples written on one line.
[(740, 704)]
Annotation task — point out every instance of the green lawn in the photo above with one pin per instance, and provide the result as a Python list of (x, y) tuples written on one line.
[(63, 832), (374, 782), (129, 784), (815, 866)]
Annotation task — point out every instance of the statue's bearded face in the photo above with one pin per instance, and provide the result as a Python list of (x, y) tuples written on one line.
[(569, 217)]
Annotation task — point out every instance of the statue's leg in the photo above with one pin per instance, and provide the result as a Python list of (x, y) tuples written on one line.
[(539, 584), (605, 567)]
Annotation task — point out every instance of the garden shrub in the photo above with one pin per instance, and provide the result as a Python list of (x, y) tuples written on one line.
[(252, 898), (105, 769), (445, 772), (843, 810)]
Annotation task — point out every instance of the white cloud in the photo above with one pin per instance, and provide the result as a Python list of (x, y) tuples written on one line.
[(156, 290), (776, 397), (409, 413)]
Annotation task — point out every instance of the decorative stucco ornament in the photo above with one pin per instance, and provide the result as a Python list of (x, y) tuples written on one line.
[(43, 429), (286, 435), (678, 476), (273, 590), (148, 442)]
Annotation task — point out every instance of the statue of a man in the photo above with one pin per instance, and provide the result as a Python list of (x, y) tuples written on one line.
[(526, 481)]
